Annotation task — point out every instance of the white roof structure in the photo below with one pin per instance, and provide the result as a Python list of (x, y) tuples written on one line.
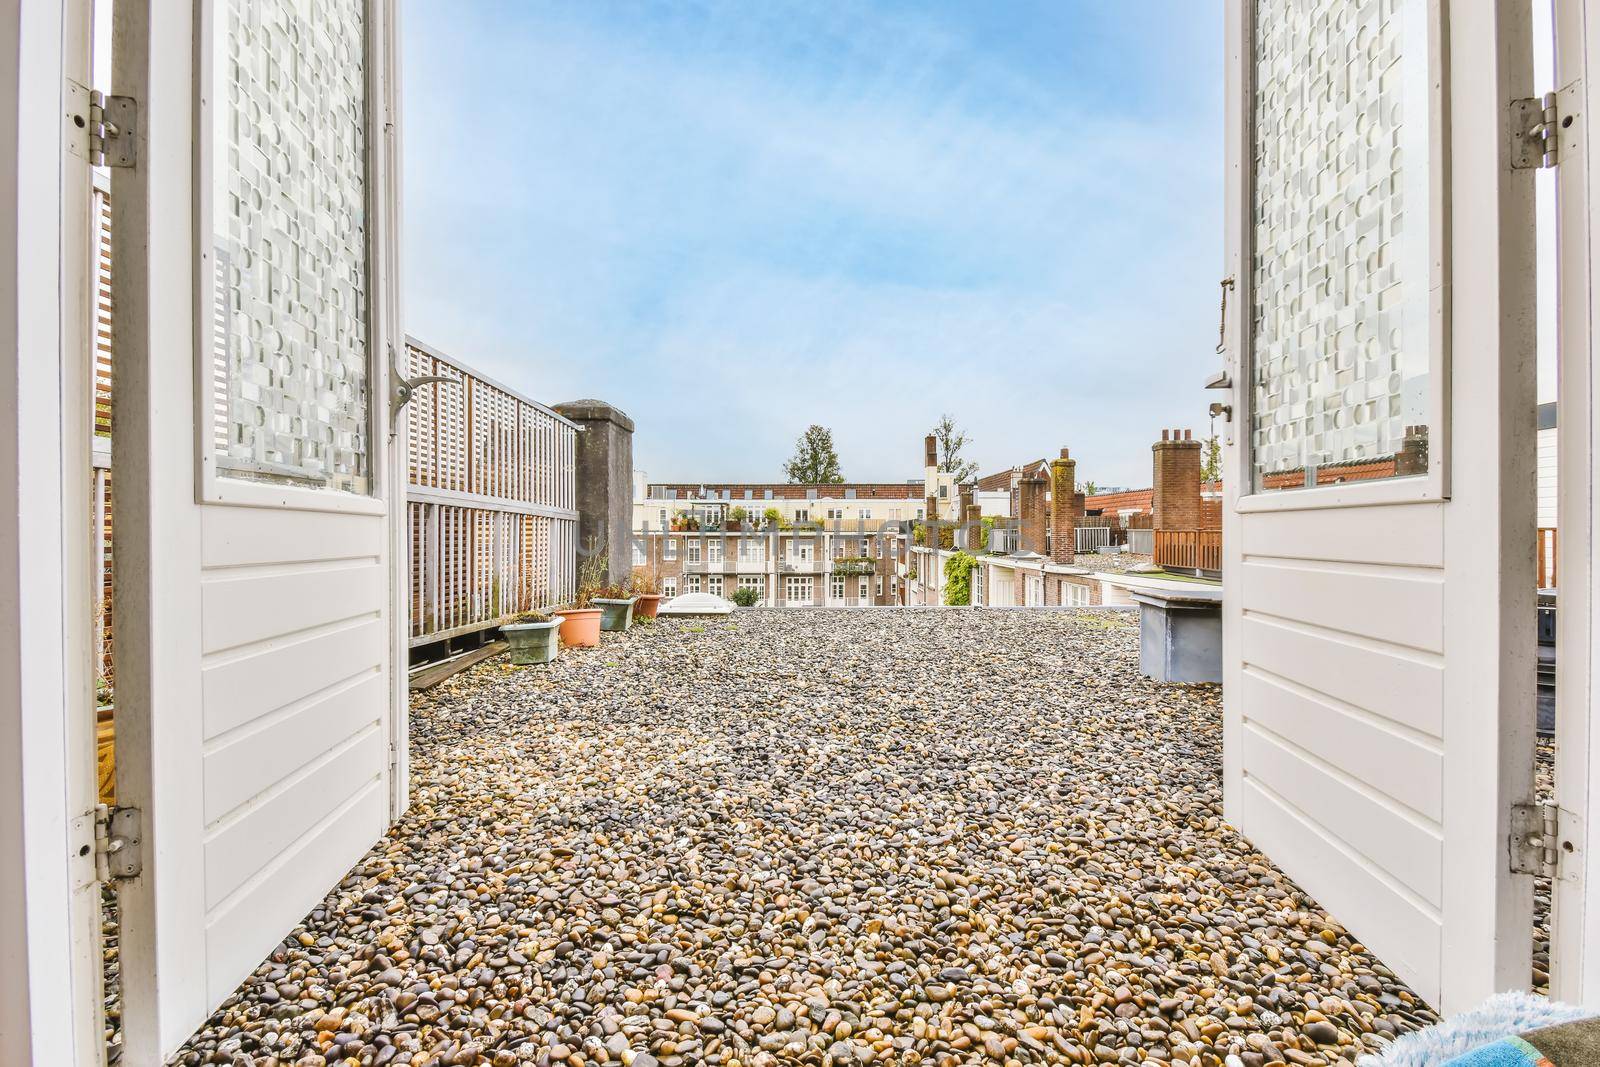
[(691, 605)]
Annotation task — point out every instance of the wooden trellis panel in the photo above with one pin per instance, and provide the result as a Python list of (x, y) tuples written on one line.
[(491, 520)]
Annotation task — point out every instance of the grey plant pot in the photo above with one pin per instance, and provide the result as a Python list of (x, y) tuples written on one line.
[(533, 642), (615, 615)]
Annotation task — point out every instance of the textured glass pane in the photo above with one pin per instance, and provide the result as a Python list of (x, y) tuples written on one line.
[(289, 226), (1341, 260)]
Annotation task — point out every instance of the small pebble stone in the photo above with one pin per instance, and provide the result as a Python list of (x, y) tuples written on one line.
[(820, 837)]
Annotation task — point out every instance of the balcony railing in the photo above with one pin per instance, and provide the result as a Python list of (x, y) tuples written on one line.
[(1194, 550)]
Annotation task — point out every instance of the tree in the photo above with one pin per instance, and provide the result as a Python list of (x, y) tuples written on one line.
[(1211, 466), (1090, 489), (815, 462), (951, 440)]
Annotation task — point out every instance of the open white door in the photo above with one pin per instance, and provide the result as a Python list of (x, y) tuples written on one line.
[(255, 481), (1379, 611)]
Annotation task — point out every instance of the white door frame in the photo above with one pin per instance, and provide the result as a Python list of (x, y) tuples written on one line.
[(49, 940), (1575, 916)]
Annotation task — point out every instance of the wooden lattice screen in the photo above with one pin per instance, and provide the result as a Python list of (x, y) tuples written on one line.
[(491, 502), (491, 511), (101, 478)]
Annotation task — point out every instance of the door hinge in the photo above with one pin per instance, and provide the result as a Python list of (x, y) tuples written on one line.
[(113, 127), (100, 128), (118, 843), (1544, 129), (1542, 837)]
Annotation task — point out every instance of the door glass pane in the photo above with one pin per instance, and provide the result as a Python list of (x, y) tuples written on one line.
[(288, 220), (1343, 286)]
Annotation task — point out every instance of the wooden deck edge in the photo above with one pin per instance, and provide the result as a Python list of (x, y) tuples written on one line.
[(432, 675)]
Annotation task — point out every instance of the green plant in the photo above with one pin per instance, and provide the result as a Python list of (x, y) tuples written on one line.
[(772, 517), (645, 583), (737, 514), (958, 579), (911, 574), (611, 592), (746, 597)]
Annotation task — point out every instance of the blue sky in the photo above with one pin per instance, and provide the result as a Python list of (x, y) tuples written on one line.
[(733, 220)]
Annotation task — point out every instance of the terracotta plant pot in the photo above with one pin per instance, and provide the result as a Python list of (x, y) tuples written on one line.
[(616, 615), (533, 642), (580, 627), (646, 605)]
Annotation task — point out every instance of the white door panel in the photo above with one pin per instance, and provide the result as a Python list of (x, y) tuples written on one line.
[(1378, 612), (256, 596), (1377, 755), (1398, 689)]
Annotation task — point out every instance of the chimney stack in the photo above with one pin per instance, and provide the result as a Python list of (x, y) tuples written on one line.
[(931, 451), (1413, 455), (1175, 499), (1031, 490), (1064, 507)]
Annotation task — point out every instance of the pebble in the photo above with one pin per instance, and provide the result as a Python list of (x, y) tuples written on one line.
[(822, 837)]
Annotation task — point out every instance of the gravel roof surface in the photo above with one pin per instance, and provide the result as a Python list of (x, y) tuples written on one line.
[(935, 837)]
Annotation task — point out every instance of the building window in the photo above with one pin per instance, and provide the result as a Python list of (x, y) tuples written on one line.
[(878, 587), (866, 513), (691, 583), (751, 550), (798, 589), (638, 554), (669, 588), (836, 590), (802, 514), (754, 581), (861, 590), (800, 548), (663, 518), (714, 584), (693, 548), (671, 548), (1074, 595), (714, 550)]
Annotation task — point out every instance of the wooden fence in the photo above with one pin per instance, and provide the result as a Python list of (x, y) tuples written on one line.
[(491, 507), (1546, 559), (1197, 550)]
